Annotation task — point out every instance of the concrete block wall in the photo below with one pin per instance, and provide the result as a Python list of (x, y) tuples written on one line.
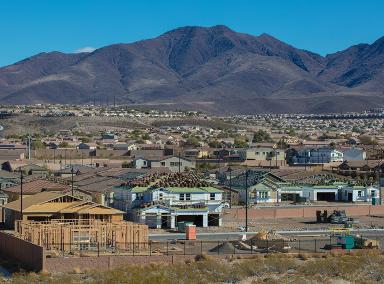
[(107, 262), (30, 256)]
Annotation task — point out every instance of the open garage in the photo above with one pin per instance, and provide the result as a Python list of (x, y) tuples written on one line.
[(196, 219), (326, 196)]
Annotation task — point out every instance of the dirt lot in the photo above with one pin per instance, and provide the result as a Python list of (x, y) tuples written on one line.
[(303, 224), (287, 224)]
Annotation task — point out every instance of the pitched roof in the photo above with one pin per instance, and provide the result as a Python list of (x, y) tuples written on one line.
[(40, 203), (6, 174), (33, 199), (359, 164), (36, 186)]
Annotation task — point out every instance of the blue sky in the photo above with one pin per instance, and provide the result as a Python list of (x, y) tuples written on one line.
[(323, 26)]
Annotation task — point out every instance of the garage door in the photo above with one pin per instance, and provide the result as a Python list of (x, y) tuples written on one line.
[(326, 196)]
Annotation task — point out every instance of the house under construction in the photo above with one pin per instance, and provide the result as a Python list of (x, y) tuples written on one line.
[(45, 206), (83, 234)]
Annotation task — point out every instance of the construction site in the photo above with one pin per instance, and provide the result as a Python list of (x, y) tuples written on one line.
[(75, 235)]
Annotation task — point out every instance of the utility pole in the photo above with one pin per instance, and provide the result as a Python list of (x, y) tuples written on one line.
[(246, 200), (21, 193), (29, 147), (379, 171), (179, 163), (230, 186), (72, 179)]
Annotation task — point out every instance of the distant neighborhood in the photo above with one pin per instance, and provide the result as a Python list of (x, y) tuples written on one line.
[(133, 174)]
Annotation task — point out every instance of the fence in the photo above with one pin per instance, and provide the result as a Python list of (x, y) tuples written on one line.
[(191, 248), (26, 254)]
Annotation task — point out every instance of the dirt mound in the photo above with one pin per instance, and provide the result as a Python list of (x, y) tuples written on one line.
[(225, 248)]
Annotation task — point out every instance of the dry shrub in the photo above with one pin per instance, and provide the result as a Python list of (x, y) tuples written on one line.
[(304, 256), (280, 265), (77, 270), (188, 261), (202, 257)]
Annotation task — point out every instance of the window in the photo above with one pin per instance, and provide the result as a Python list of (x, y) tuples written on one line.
[(263, 194), (373, 193), (160, 196), (162, 164), (257, 153), (212, 196), (140, 196), (359, 193), (187, 196), (176, 164), (181, 196)]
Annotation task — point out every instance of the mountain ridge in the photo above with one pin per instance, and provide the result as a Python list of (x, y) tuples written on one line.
[(189, 65)]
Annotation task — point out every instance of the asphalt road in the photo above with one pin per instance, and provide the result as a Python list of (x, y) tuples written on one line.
[(220, 236)]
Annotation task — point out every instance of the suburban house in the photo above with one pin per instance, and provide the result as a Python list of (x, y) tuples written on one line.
[(331, 193), (168, 206), (8, 179), (354, 154), (47, 205), (32, 169), (262, 154), (265, 187), (309, 156), (262, 186), (141, 163), (86, 146), (196, 153), (11, 155), (169, 199), (174, 164), (121, 146), (360, 167), (359, 194)]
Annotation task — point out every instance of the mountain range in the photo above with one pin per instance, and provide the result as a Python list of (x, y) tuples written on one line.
[(211, 69)]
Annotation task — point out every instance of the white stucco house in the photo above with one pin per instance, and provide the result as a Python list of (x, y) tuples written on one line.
[(165, 207)]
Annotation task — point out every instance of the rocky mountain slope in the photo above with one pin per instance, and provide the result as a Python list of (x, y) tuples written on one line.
[(211, 69)]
